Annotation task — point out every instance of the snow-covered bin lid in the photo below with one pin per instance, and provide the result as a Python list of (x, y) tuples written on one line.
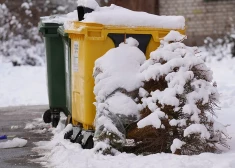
[(59, 19), (119, 16)]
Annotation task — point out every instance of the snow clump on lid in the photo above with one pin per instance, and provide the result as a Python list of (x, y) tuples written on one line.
[(119, 16)]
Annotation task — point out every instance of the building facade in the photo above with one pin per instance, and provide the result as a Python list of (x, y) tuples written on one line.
[(204, 18)]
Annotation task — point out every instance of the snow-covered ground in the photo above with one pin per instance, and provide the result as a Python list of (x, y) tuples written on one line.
[(61, 153), (27, 86), (223, 73), (22, 85)]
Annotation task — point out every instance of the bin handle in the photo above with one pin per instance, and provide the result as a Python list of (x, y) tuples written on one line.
[(94, 35), (46, 34), (95, 38)]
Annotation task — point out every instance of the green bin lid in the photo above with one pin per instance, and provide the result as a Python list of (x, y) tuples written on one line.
[(53, 21), (50, 23)]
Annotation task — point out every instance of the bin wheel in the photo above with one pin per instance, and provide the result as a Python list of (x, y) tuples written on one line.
[(68, 135), (47, 116), (89, 143), (79, 139), (55, 122)]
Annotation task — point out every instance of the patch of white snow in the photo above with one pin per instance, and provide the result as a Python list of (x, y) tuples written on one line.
[(14, 143)]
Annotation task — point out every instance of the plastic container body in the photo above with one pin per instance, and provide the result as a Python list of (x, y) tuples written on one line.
[(67, 61), (90, 41), (55, 67)]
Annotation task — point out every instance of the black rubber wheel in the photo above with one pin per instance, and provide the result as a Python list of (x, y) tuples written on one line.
[(89, 143), (55, 122), (47, 116), (79, 139), (68, 135)]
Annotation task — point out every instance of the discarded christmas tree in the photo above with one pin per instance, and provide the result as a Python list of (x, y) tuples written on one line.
[(177, 103), (176, 100)]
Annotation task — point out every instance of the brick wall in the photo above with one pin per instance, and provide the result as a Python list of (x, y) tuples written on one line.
[(149, 6), (203, 17)]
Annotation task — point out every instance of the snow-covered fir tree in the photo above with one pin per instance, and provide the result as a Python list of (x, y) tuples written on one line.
[(177, 102)]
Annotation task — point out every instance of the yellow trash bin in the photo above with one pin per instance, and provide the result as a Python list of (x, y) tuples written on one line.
[(90, 41)]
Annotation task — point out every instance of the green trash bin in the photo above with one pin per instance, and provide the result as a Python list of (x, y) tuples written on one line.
[(67, 60), (55, 72)]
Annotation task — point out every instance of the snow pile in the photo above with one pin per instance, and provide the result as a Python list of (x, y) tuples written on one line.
[(23, 85), (121, 104), (117, 76), (118, 16), (14, 143), (118, 68)]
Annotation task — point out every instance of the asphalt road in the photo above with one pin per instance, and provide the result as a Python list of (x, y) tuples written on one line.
[(19, 116)]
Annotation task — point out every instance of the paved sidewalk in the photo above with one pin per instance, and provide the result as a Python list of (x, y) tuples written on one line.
[(19, 116)]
